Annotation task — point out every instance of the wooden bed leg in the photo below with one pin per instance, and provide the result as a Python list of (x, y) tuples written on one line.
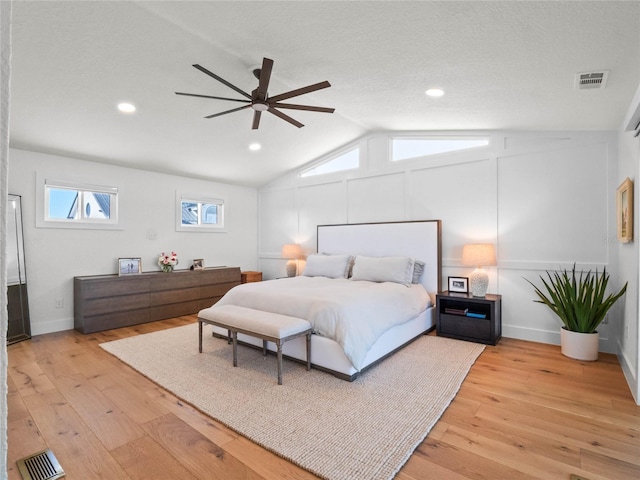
[(199, 336), (264, 348), (235, 348), (279, 363), (308, 351)]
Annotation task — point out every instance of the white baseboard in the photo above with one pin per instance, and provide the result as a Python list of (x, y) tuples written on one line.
[(630, 373), (59, 325), (550, 337)]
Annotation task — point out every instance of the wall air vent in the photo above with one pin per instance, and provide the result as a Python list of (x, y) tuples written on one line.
[(591, 80)]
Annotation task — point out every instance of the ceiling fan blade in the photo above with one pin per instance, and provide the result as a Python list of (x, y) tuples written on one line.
[(228, 111), (304, 107), (256, 120), (215, 98), (284, 117), (222, 80), (300, 91), (265, 76)]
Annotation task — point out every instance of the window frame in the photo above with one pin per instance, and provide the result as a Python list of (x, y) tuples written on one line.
[(82, 221), (201, 199)]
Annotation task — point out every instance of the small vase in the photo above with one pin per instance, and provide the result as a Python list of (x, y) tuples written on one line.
[(167, 268)]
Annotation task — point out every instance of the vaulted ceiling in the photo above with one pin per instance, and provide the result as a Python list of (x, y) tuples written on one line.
[(502, 65)]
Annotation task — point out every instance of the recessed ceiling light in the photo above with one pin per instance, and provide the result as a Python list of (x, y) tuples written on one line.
[(435, 92), (126, 107), (255, 146)]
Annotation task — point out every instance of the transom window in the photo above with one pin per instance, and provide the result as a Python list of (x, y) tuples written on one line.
[(408, 148), (345, 161), (196, 212)]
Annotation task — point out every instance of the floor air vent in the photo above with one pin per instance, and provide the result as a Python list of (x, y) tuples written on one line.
[(591, 80), (41, 466)]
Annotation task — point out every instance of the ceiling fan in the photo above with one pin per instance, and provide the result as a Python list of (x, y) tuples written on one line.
[(259, 100)]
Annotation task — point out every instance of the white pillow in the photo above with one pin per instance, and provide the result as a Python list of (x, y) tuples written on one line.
[(332, 266), (383, 269), (418, 268)]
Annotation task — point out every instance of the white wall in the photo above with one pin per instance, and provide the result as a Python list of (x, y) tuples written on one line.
[(147, 215), (546, 200), (628, 336)]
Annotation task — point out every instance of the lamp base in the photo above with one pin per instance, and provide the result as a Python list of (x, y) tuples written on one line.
[(292, 268), (478, 282)]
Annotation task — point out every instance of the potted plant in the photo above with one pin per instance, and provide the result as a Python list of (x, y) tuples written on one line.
[(580, 303)]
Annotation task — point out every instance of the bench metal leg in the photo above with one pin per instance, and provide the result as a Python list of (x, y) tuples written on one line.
[(235, 348), (279, 363), (308, 351), (199, 336)]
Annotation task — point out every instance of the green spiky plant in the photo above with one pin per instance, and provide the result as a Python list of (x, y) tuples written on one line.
[(579, 301)]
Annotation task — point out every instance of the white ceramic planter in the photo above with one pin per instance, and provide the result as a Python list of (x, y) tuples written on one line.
[(580, 346)]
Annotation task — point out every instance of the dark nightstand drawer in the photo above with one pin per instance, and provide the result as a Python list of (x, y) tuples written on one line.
[(460, 326)]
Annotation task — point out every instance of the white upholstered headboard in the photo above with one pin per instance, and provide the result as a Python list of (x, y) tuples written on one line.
[(419, 240)]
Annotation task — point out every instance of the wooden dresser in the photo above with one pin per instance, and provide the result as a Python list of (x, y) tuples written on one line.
[(103, 302)]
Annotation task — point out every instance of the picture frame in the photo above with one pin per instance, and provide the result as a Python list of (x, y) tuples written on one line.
[(624, 211), (198, 264), (458, 284), (129, 266)]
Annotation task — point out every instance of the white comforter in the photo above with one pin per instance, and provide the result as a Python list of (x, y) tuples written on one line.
[(353, 313)]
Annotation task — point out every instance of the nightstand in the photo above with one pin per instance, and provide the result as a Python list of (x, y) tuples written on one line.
[(249, 276), (465, 317)]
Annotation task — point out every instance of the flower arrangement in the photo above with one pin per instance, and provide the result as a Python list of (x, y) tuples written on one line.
[(167, 262)]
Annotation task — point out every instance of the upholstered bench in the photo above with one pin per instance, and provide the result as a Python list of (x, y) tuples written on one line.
[(255, 323)]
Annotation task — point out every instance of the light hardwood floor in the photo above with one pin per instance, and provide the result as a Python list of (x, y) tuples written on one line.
[(524, 412)]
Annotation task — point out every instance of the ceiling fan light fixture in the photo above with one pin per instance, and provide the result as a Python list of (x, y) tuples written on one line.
[(260, 106)]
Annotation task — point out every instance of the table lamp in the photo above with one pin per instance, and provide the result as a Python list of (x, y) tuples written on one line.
[(478, 255), (293, 252)]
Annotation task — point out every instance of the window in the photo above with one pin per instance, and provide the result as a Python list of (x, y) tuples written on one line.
[(196, 212), (408, 148), (68, 204), (345, 161)]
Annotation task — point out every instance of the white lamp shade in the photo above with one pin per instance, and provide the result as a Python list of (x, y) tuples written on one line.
[(291, 251), (478, 255)]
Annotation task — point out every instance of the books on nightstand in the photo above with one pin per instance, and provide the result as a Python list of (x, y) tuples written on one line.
[(456, 311), (463, 312)]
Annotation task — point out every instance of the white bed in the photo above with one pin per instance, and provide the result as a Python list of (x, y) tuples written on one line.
[(419, 240)]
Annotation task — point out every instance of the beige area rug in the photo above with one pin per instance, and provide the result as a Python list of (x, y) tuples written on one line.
[(363, 430)]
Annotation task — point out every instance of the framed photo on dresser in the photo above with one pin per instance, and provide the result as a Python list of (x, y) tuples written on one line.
[(129, 266)]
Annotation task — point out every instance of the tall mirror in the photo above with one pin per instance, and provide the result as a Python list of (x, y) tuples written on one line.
[(19, 325)]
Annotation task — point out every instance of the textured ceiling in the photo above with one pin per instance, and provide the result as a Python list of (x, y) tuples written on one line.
[(503, 65)]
